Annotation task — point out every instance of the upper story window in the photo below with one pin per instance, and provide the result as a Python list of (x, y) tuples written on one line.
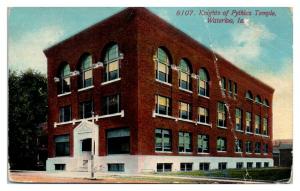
[(221, 144), (258, 99), (238, 119), (235, 88), (185, 110), (248, 145), (238, 147), (185, 142), (65, 80), (257, 124), (257, 147), (266, 102), (249, 95), (86, 71), (248, 122), (163, 140), (162, 66), (184, 75), (265, 126), (265, 148), (85, 109), (65, 114), (111, 104), (203, 116), (230, 86), (221, 114), (162, 105), (203, 144), (112, 63), (203, 83), (223, 83)]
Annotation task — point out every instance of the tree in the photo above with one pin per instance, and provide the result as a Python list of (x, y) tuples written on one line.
[(27, 109)]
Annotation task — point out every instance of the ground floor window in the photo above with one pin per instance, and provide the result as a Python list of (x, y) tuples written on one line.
[(258, 165), (266, 164), (249, 164), (239, 165), (163, 140), (186, 166), (115, 167), (222, 166), (62, 145), (164, 167), (204, 166), (60, 166), (118, 141)]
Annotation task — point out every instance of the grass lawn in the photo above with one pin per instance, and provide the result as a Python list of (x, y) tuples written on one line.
[(263, 174)]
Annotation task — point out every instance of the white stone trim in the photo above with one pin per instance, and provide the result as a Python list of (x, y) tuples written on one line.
[(186, 120), (185, 90), (111, 81), (203, 96), (222, 127), (206, 124), (162, 82), (63, 94), (86, 88)]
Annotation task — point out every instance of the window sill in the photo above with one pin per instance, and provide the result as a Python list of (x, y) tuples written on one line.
[(203, 96), (111, 81), (257, 134), (86, 88), (221, 151), (240, 131), (185, 90), (203, 153), (162, 115), (186, 120), (63, 94), (62, 123), (163, 152), (222, 127), (162, 82), (121, 114), (206, 124), (249, 99), (266, 136), (249, 133), (187, 153), (257, 153), (238, 152), (248, 153)]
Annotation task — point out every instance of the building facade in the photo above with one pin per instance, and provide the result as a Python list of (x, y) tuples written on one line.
[(134, 94)]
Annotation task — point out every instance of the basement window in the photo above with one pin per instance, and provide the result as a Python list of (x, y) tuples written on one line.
[(222, 166), (115, 167), (60, 166), (186, 167), (204, 166), (164, 167)]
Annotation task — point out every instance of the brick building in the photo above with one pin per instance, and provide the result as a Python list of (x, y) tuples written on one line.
[(135, 94)]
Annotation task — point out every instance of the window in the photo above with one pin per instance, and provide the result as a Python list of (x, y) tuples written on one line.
[(248, 146), (203, 116), (258, 99), (162, 66), (230, 86), (265, 126), (248, 122), (163, 140), (203, 83), (118, 141), (266, 164), (204, 166), (186, 167), (185, 111), (86, 72), (60, 166), (257, 124), (203, 144), (223, 83), (115, 167), (65, 114), (266, 102), (85, 109), (249, 95), (62, 145), (238, 119), (221, 114), (258, 164), (235, 88), (221, 144), (164, 167), (185, 142), (249, 164), (266, 148), (162, 105), (257, 147), (65, 80), (222, 166), (111, 104), (184, 75), (239, 165), (112, 63), (238, 146)]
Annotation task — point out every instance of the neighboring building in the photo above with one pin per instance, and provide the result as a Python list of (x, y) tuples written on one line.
[(283, 153), (145, 96)]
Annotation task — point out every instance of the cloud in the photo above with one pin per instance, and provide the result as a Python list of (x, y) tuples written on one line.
[(27, 51)]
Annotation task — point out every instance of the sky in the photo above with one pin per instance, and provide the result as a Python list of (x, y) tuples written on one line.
[(262, 45)]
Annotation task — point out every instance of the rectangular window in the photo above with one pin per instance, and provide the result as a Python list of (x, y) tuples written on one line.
[(266, 164), (164, 167), (221, 144), (230, 86), (203, 144), (162, 105), (222, 166), (238, 146), (235, 88), (186, 167), (265, 126), (249, 164), (257, 147), (238, 119), (185, 110), (257, 124), (118, 141), (162, 67), (60, 166), (221, 114), (248, 147), (184, 80), (266, 148), (85, 109), (203, 116), (258, 164), (88, 78), (62, 145), (223, 83), (239, 165), (111, 104), (163, 140), (248, 122), (112, 70), (204, 166), (115, 167), (65, 114), (185, 142)]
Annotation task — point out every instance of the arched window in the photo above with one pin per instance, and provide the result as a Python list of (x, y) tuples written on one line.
[(112, 63), (64, 79), (162, 66), (184, 75), (266, 102), (249, 95), (258, 99), (203, 83), (86, 72)]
